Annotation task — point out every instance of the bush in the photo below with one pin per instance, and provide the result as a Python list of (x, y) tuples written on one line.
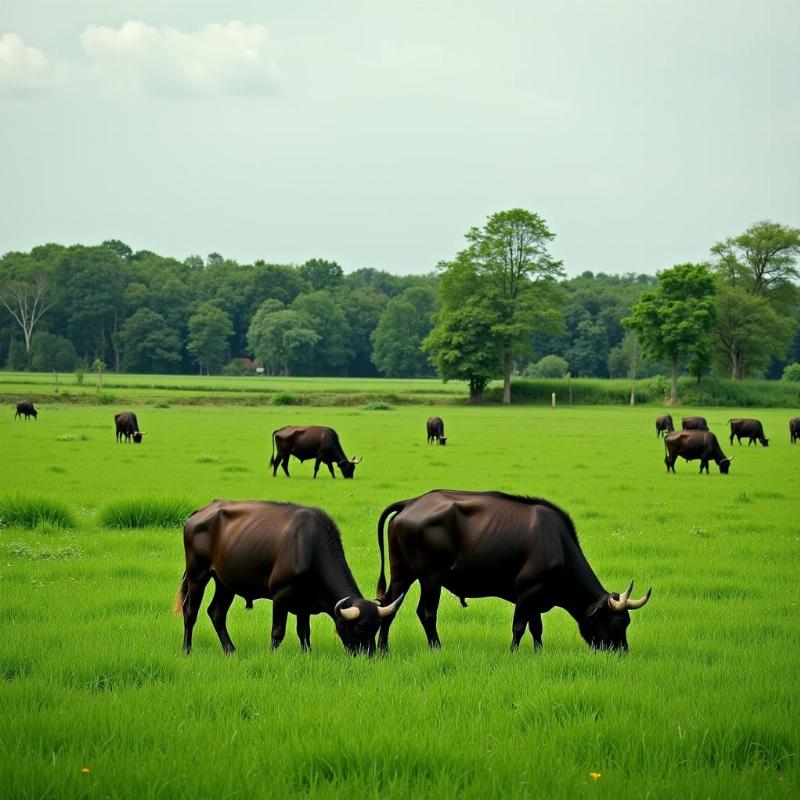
[(284, 399), (146, 512), (791, 373), (30, 511), (239, 367), (548, 367), (378, 407)]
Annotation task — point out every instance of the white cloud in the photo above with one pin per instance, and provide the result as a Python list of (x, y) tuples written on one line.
[(25, 69), (219, 59)]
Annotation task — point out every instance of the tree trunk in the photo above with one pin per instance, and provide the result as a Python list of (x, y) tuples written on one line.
[(673, 391), (506, 380), (475, 391)]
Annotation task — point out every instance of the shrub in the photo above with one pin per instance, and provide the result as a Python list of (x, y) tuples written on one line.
[(791, 373), (72, 437), (30, 511), (378, 407), (284, 399), (161, 404), (146, 512), (548, 367), (206, 458)]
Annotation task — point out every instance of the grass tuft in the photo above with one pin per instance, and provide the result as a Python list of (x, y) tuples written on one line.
[(378, 407), (284, 399), (72, 437), (207, 458), (30, 511), (146, 512)]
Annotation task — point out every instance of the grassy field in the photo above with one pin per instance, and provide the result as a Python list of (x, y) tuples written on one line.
[(97, 700)]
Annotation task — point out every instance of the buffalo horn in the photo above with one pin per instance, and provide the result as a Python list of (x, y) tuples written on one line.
[(622, 603), (357, 460), (350, 613), (632, 604), (384, 611)]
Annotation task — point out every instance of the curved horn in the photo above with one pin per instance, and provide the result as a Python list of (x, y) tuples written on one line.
[(356, 460), (384, 611), (622, 603), (632, 604), (351, 613)]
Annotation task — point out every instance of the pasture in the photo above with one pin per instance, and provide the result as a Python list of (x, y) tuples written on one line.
[(97, 699)]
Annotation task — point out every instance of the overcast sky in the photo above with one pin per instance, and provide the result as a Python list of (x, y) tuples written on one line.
[(377, 133)]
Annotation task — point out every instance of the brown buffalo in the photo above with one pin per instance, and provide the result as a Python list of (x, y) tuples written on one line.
[(435, 428), (307, 442), (694, 445), (664, 425), (128, 427), (750, 429), (694, 424), (794, 429), (25, 409)]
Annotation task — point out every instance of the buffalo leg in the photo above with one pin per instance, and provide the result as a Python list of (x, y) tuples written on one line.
[(316, 467), (518, 625), (396, 588), (330, 469), (280, 611), (525, 615), (218, 611), (428, 608), (191, 607), (304, 631)]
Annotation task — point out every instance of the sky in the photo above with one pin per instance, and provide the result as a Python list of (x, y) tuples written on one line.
[(376, 134)]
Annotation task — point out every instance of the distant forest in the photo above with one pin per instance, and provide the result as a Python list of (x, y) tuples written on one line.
[(77, 307)]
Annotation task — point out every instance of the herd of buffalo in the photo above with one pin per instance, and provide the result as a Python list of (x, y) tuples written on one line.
[(474, 544)]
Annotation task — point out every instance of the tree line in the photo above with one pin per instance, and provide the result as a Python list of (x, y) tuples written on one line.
[(502, 306)]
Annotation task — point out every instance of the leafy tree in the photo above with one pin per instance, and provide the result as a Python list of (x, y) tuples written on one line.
[(214, 259), (149, 344), (120, 248), (27, 295), (748, 332), (281, 339), (362, 306), (327, 319), (549, 367), (210, 330), (51, 353), (321, 274), (791, 373), (517, 273), (397, 339), (674, 320)]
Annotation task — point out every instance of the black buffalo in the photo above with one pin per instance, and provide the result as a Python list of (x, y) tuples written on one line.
[(25, 408), (694, 424), (435, 427), (694, 445), (664, 425), (749, 429), (128, 427), (307, 442), (289, 554), (794, 429), (489, 544)]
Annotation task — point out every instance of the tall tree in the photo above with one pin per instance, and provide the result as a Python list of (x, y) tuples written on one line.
[(25, 293), (512, 262), (321, 274), (149, 344), (281, 339), (674, 320), (210, 330)]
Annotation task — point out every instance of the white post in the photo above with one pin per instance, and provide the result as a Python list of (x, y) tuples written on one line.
[(553, 399)]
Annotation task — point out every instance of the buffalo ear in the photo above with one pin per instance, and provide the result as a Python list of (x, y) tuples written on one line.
[(593, 609)]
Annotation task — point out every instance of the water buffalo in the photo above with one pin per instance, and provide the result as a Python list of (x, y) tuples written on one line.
[(307, 442), (490, 544), (128, 427), (693, 445), (25, 408), (694, 424), (664, 425), (435, 428), (290, 554), (749, 429), (794, 429)]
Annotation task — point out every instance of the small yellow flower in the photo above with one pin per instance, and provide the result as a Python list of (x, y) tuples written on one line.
[(595, 776), (85, 770)]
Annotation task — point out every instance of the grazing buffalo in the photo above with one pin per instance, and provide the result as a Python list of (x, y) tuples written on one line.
[(794, 429), (128, 426), (749, 429), (436, 430), (664, 425), (25, 408), (289, 554), (489, 544), (694, 424), (310, 441), (693, 445)]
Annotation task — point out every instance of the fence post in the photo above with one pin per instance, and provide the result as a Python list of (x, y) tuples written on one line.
[(553, 399)]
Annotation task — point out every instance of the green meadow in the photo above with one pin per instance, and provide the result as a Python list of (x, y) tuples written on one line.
[(97, 700)]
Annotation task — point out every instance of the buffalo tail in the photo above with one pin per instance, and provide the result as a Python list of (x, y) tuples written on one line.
[(180, 598), (272, 457), (387, 512)]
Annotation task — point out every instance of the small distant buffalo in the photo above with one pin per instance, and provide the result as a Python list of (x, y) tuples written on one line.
[(25, 408), (436, 430), (749, 429), (693, 445), (694, 424), (307, 442), (128, 427), (794, 429), (664, 425)]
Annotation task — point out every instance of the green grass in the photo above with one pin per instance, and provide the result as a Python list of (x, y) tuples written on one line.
[(29, 511), (705, 704), (154, 511)]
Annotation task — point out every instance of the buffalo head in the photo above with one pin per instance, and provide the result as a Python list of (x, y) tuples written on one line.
[(357, 622), (442, 440), (348, 466), (137, 437), (606, 622), (724, 465)]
